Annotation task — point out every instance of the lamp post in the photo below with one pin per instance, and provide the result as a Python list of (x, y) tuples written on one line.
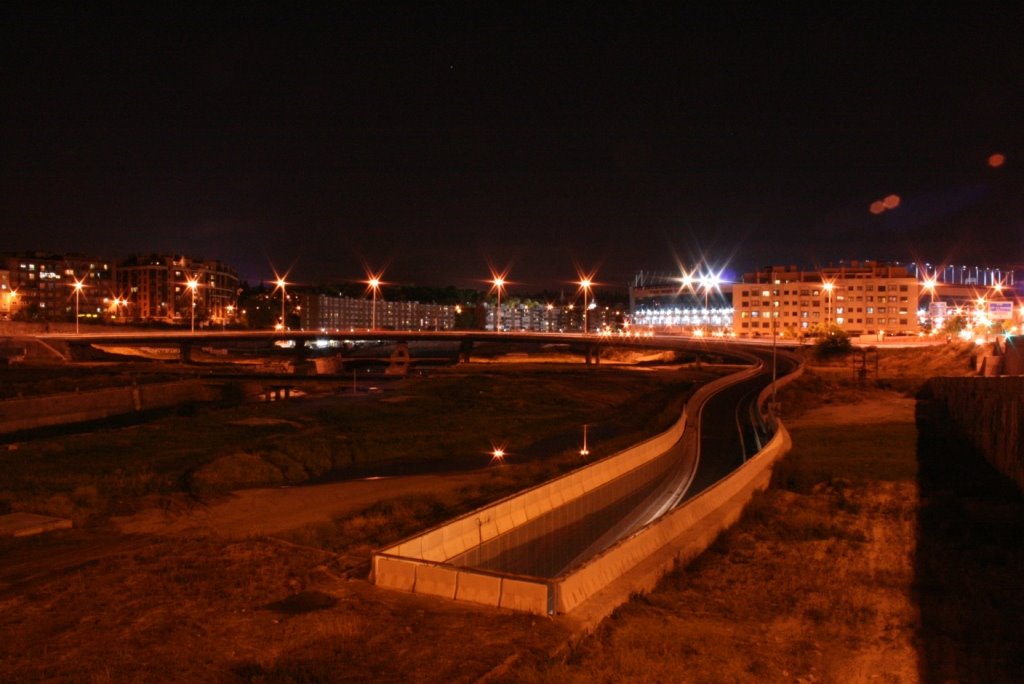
[(374, 283), (193, 284), (78, 291), (280, 283), (775, 316), (708, 282), (828, 287), (499, 282), (585, 283), (929, 286)]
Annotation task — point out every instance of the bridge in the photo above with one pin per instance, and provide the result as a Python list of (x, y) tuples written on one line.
[(69, 345)]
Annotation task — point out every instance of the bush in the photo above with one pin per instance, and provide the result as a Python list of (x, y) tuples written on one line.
[(836, 343), (233, 471)]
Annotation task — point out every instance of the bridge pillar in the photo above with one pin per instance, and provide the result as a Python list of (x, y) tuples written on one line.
[(465, 349), (186, 352)]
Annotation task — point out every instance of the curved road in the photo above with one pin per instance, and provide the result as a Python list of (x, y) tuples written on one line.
[(727, 431)]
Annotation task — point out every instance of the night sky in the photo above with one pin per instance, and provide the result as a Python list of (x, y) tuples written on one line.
[(435, 141)]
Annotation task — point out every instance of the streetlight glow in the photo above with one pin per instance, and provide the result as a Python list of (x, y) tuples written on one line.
[(373, 283), (280, 284), (497, 282), (708, 281), (828, 286), (498, 454), (78, 285), (585, 283), (193, 284)]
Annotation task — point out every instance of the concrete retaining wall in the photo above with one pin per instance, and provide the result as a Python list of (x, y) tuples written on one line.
[(434, 547), (455, 537), (709, 512), (30, 413), (989, 412)]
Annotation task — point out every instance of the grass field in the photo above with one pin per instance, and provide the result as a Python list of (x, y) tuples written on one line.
[(447, 420), (876, 556)]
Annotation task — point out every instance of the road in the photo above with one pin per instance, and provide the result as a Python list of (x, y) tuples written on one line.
[(725, 433)]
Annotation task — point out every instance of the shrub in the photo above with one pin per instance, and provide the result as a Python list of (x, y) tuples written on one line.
[(836, 343), (240, 469)]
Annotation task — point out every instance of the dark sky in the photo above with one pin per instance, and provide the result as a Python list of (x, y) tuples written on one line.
[(434, 141)]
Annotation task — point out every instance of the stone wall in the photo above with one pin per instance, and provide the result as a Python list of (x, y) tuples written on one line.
[(989, 412)]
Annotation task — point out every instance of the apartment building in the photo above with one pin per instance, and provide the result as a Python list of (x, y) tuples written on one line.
[(156, 288), (859, 298), (42, 286)]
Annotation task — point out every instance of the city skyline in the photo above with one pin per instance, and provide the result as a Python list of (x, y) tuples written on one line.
[(435, 142)]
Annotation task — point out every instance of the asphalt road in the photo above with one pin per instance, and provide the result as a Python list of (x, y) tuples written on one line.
[(727, 436)]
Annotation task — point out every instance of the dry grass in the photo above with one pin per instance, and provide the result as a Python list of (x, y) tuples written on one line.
[(445, 421), (816, 583)]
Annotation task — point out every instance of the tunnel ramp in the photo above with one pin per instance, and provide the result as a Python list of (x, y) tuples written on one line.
[(476, 557)]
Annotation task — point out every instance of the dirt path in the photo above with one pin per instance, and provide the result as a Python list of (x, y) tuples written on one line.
[(271, 511)]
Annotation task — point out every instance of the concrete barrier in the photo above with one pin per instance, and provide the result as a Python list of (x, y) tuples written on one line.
[(436, 580), (632, 564), (451, 539), (685, 531), (479, 588), (394, 573), (525, 595)]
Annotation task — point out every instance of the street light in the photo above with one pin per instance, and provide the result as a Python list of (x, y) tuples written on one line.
[(929, 286), (708, 281), (585, 284), (280, 284), (374, 284), (498, 282), (78, 291), (828, 286), (775, 316), (193, 284), (498, 454)]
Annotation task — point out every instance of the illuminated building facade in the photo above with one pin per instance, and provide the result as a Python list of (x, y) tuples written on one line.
[(331, 313), (155, 288), (859, 298), (40, 286)]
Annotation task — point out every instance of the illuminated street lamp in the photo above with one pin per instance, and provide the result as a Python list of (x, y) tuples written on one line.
[(193, 284), (585, 284), (828, 286), (498, 283), (708, 282), (498, 454), (78, 292), (280, 284), (775, 319), (12, 297), (374, 284), (928, 286)]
